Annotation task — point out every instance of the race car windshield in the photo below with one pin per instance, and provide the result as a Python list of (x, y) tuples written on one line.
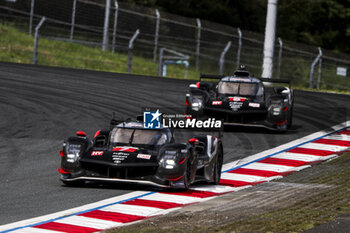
[(138, 136), (235, 88)]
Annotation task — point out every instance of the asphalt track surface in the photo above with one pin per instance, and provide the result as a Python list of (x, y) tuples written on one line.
[(40, 106)]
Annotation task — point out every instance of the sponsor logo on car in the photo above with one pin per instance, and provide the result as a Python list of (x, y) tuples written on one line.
[(254, 105), (125, 149), (170, 152), (143, 156), (216, 102), (237, 99), (118, 158), (246, 80), (96, 153), (236, 105), (120, 153)]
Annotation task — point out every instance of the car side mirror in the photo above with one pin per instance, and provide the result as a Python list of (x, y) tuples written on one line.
[(193, 141), (100, 141), (281, 90), (81, 134)]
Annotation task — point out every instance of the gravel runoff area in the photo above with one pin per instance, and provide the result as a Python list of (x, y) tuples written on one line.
[(314, 200)]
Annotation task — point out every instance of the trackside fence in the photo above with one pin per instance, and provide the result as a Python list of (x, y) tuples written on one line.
[(90, 23)]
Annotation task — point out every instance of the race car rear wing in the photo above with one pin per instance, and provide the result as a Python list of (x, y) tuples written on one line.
[(210, 76), (273, 80), (270, 80)]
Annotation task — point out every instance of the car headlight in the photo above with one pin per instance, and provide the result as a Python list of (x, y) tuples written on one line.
[(73, 152), (276, 110), (196, 104), (168, 161), (72, 158)]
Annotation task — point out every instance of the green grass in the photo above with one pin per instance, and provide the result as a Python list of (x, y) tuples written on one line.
[(324, 90), (16, 46)]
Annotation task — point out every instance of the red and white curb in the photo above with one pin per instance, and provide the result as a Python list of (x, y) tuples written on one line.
[(135, 206)]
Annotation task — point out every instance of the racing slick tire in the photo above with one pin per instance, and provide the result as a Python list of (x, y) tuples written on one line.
[(188, 174), (290, 118), (217, 168)]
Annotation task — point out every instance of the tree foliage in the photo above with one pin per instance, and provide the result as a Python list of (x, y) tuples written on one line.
[(324, 23)]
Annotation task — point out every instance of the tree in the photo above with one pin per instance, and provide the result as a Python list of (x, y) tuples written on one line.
[(324, 23)]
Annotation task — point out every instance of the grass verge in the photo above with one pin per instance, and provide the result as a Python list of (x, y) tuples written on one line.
[(17, 46)]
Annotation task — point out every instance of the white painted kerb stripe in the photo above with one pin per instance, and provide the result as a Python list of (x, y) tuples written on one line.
[(246, 178), (171, 198), (269, 167), (34, 230), (132, 210), (301, 157), (216, 188), (342, 137), (89, 222), (320, 146)]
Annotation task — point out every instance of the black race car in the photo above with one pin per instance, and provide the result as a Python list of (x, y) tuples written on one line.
[(242, 100), (130, 153)]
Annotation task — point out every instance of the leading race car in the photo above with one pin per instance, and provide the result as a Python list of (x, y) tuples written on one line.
[(242, 100), (130, 153)]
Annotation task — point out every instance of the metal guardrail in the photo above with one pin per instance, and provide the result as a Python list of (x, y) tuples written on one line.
[(36, 40), (131, 47), (176, 58)]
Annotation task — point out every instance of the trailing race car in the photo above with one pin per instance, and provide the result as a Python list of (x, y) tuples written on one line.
[(242, 100), (130, 153)]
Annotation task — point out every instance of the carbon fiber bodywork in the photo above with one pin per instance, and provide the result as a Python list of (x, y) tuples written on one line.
[(248, 101), (169, 164)]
